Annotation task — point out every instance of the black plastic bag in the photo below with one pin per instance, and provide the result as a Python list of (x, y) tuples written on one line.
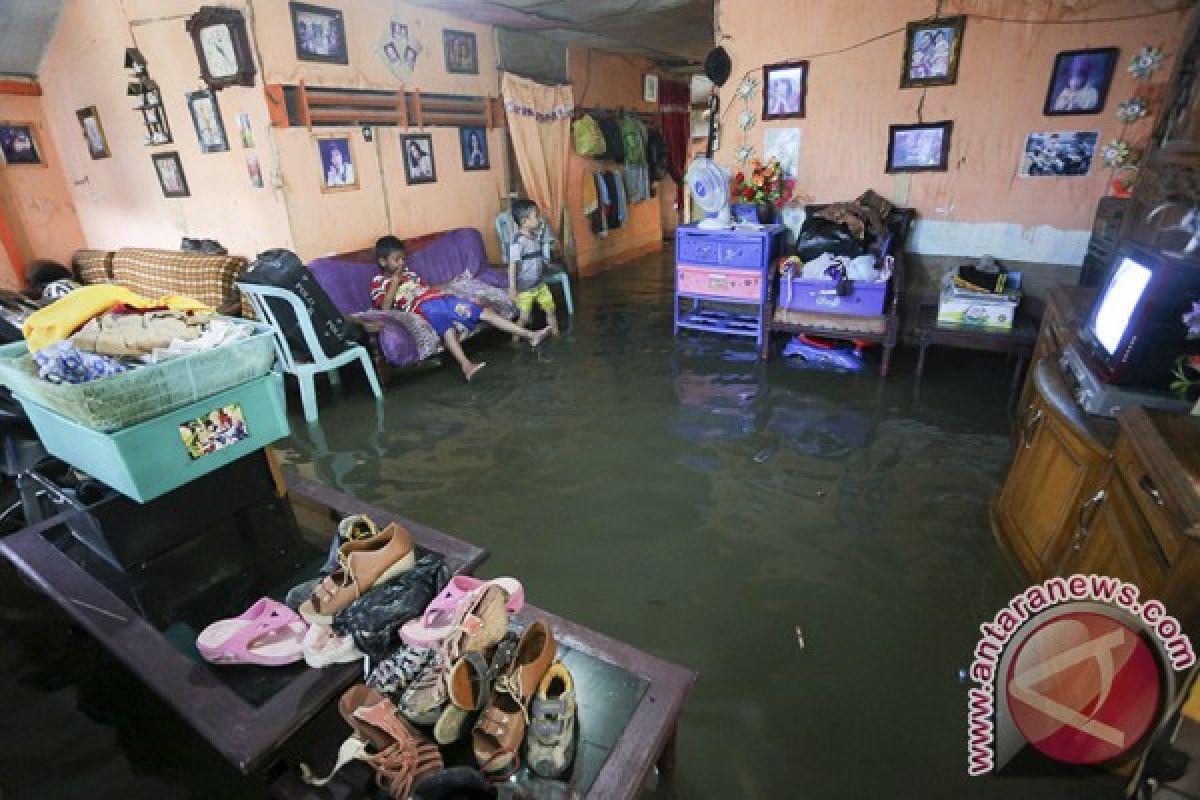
[(819, 236), (284, 270), (375, 619)]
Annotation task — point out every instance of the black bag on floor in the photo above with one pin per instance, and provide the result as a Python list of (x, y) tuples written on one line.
[(819, 236), (284, 270)]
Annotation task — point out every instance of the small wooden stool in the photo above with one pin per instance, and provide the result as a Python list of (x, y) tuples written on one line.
[(1017, 342)]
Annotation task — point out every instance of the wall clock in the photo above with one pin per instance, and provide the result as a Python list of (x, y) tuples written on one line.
[(222, 46)]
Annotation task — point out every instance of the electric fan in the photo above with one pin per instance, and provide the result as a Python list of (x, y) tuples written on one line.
[(710, 185)]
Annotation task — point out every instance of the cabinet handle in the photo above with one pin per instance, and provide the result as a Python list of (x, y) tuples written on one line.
[(1147, 486), (1030, 428), (1086, 512)]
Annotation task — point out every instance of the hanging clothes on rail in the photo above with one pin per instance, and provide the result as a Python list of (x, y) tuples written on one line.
[(622, 199), (637, 183), (599, 217), (612, 213), (632, 140), (614, 149)]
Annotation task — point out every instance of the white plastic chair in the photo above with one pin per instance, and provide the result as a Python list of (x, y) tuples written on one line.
[(504, 229), (305, 370)]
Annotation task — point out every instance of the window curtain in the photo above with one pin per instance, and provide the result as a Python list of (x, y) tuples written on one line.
[(539, 122), (675, 107)]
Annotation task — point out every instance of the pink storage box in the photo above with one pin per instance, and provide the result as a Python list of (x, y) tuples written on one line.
[(720, 283), (820, 295)]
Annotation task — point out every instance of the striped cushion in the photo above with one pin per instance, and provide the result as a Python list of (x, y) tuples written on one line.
[(93, 266), (203, 277)]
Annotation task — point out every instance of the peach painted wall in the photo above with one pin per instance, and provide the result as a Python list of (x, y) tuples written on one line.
[(608, 80), (34, 199), (980, 204), (118, 199), (337, 222)]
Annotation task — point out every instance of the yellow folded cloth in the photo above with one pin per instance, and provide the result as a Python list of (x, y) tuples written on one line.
[(63, 317)]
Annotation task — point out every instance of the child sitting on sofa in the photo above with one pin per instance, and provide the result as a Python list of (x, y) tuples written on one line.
[(401, 289)]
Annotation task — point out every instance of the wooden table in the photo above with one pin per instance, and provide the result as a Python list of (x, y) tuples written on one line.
[(1018, 342), (266, 721)]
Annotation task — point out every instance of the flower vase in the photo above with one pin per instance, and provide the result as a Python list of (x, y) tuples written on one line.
[(766, 213)]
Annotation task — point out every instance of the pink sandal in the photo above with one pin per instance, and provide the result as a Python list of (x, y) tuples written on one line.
[(268, 633), (445, 610)]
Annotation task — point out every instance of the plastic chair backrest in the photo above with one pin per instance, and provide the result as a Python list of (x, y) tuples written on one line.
[(504, 232), (258, 295)]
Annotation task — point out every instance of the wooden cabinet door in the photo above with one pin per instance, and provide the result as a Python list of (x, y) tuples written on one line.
[(1114, 538), (1052, 474), (1046, 345)]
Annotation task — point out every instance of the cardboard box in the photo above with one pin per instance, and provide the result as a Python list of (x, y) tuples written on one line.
[(980, 310)]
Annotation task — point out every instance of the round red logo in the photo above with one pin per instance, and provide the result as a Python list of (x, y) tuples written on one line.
[(1083, 688)]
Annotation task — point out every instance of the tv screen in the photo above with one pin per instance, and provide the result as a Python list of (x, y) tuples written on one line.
[(1120, 299)]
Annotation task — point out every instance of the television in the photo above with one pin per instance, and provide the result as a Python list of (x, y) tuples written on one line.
[(1135, 330)]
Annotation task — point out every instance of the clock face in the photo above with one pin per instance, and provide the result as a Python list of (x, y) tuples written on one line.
[(217, 44)]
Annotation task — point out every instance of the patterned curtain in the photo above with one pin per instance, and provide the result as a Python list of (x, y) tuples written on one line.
[(539, 122), (674, 105)]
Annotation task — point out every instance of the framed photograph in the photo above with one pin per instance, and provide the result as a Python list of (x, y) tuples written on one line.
[(462, 57), (1079, 81), (337, 164), (320, 33), (93, 132), (919, 148), (931, 49), (650, 88), (18, 145), (210, 130), (418, 158), (214, 431), (170, 174), (474, 148), (784, 86), (1058, 154)]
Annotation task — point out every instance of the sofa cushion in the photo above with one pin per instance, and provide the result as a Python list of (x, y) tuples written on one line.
[(448, 256), (348, 283), (207, 278), (93, 266)]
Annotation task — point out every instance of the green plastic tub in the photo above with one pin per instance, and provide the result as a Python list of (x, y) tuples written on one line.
[(118, 401), (153, 457)]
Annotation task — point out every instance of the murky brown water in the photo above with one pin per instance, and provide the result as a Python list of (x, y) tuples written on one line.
[(673, 493)]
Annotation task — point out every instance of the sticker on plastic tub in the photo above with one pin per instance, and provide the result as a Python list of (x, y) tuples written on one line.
[(214, 431)]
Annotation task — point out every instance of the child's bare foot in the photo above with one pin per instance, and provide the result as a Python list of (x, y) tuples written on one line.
[(469, 372), (538, 337)]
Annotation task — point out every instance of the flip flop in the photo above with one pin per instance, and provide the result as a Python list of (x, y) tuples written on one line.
[(443, 611), (475, 371), (268, 634)]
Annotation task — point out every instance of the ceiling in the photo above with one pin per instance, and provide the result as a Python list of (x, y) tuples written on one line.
[(667, 30), (25, 30)]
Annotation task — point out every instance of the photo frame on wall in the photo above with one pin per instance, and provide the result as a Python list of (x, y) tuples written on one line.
[(171, 179), (19, 145), (417, 151), (1058, 154), (650, 88), (784, 88), (206, 117), (93, 132), (462, 54), (320, 33), (924, 147), (338, 171), (474, 144), (931, 50), (1079, 81)]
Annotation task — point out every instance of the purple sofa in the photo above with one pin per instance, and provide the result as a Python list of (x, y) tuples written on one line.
[(438, 259)]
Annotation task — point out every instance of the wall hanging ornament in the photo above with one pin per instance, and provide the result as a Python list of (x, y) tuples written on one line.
[(147, 99), (1146, 62), (1116, 153), (399, 49), (1131, 111), (745, 92)]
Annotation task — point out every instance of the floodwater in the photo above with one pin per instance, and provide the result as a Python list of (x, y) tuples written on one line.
[(814, 544)]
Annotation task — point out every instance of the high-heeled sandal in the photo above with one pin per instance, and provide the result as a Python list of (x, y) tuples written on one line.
[(399, 755)]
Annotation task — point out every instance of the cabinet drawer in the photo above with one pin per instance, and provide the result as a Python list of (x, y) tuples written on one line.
[(1153, 505), (740, 253), (724, 284), (697, 249)]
